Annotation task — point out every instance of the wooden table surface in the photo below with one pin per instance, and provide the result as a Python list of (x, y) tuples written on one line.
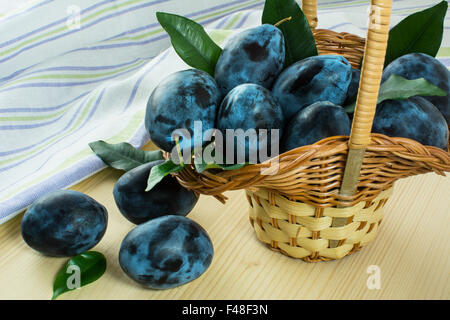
[(411, 252)]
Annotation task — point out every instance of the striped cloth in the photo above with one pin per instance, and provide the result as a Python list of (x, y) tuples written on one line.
[(76, 71)]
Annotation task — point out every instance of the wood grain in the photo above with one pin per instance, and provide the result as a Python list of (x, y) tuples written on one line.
[(411, 250)]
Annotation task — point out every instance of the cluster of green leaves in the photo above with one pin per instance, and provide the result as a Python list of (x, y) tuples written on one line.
[(123, 156)]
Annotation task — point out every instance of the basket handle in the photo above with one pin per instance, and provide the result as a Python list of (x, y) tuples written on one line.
[(366, 101), (371, 71), (309, 8)]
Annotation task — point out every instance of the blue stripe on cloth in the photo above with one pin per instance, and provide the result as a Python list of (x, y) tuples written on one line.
[(71, 68), (43, 109), (55, 23), (130, 100), (144, 42), (139, 81), (153, 64), (223, 21), (244, 19), (84, 27), (66, 84), (85, 68), (65, 179), (49, 137), (25, 10), (190, 15), (339, 25), (64, 136), (29, 126), (16, 73)]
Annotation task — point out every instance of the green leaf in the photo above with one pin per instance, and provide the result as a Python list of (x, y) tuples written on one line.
[(299, 40), (200, 167), (190, 41), (399, 88), (159, 171), (86, 267), (123, 156), (420, 32), (232, 166)]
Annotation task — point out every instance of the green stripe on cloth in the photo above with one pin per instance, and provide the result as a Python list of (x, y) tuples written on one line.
[(198, 19), (75, 76), (80, 118), (123, 135), (66, 28), (444, 52)]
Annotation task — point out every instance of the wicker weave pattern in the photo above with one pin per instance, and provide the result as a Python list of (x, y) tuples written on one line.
[(313, 174), (303, 231), (345, 44)]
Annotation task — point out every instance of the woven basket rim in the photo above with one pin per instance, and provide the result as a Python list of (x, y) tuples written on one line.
[(382, 151)]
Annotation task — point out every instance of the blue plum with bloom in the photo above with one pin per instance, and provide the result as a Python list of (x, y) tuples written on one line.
[(250, 106), (180, 99), (318, 121), (317, 78), (168, 197), (419, 65), (415, 118), (166, 252), (64, 223), (251, 56)]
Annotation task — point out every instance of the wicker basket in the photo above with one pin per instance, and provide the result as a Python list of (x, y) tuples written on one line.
[(326, 200)]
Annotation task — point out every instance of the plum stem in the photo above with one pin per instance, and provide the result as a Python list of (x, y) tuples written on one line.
[(281, 21)]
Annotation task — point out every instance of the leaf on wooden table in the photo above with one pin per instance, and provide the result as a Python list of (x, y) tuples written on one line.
[(79, 271)]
